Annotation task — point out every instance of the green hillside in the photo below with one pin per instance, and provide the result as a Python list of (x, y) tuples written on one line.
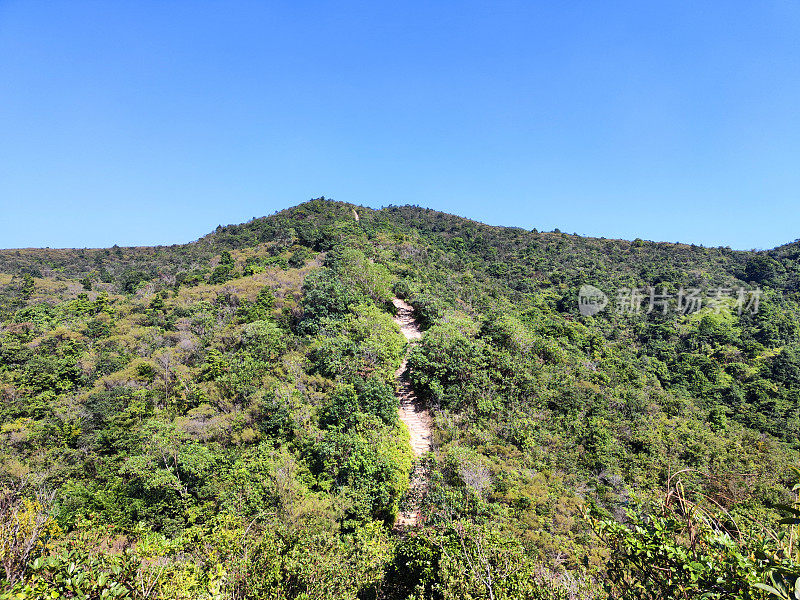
[(219, 419)]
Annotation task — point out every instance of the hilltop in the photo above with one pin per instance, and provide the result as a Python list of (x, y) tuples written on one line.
[(521, 257), (223, 415)]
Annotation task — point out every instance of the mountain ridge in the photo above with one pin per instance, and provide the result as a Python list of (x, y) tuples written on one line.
[(346, 205), (81, 261), (243, 387)]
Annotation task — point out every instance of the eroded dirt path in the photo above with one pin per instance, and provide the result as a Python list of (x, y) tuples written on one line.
[(416, 418)]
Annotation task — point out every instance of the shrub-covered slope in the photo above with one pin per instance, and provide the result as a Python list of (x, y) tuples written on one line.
[(219, 419)]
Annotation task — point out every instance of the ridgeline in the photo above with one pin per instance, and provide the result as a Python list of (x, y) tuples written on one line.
[(242, 416)]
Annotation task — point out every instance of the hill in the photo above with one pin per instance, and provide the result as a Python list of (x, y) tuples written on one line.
[(220, 418)]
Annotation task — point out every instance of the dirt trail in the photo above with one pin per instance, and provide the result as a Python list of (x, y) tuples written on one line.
[(416, 418)]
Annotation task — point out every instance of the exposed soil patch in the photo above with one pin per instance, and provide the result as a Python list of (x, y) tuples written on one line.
[(416, 418)]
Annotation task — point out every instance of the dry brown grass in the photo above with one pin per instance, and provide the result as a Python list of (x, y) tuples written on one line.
[(285, 284)]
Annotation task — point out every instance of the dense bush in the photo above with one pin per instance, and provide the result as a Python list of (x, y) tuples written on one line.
[(219, 419)]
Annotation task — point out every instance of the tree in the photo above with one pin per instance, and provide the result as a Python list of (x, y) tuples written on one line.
[(25, 528)]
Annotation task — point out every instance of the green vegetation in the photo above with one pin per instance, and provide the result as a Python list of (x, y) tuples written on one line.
[(218, 419)]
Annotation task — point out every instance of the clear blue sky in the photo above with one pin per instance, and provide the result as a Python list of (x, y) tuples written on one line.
[(149, 122)]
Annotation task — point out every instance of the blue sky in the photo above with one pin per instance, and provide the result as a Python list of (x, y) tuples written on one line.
[(153, 122)]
